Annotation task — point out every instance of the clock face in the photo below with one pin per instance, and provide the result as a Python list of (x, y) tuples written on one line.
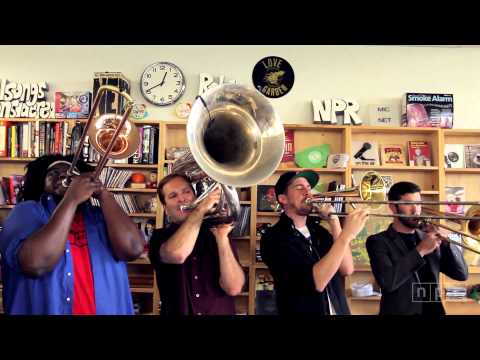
[(162, 83)]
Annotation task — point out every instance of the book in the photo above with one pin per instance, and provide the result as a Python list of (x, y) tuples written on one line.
[(288, 159), (454, 156), (455, 193), (3, 137), (15, 186), (472, 156), (365, 153), (427, 110), (392, 154), (419, 153), (266, 198)]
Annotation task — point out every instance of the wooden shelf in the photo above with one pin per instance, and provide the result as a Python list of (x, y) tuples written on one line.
[(7, 206), (144, 215), (128, 190), (316, 127), (474, 269), (245, 202), (392, 130), (362, 268), (462, 300), (20, 120), (366, 298), (16, 159), (133, 166), (319, 170), (430, 192), (463, 171), (394, 168), (140, 261), (241, 237), (461, 132), (171, 124), (142, 290), (244, 263), (169, 161), (261, 265), (268, 213)]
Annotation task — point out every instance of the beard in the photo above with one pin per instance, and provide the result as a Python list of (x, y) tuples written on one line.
[(412, 223), (304, 210)]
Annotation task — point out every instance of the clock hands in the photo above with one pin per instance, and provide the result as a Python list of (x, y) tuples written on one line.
[(163, 80), (159, 84)]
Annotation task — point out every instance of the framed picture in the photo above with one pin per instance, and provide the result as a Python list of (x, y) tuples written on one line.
[(266, 198)]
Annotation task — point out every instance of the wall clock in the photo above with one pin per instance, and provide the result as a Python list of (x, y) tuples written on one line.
[(162, 83)]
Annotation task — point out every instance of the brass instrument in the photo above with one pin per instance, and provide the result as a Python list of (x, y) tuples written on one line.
[(236, 139), (112, 135), (372, 191)]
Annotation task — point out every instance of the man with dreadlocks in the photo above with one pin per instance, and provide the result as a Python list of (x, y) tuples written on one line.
[(60, 254)]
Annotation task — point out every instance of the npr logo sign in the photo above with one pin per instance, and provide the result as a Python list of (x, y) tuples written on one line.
[(325, 111)]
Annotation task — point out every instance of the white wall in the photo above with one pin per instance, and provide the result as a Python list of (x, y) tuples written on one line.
[(369, 74)]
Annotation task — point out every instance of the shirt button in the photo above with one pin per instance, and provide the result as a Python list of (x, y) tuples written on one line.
[(194, 258), (197, 295), (69, 274), (68, 299), (195, 277), (67, 251)]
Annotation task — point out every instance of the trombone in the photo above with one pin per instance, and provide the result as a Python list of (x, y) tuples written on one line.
[(112, 135), (372, 190)]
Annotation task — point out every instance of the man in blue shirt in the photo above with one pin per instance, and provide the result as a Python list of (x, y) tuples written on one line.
[(60, 254)]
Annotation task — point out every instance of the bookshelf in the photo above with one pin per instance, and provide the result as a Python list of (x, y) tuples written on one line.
[(432, 180)]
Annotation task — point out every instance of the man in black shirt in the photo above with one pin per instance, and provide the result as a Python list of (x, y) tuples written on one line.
[(306, 262), (406, 261), (196, 266)]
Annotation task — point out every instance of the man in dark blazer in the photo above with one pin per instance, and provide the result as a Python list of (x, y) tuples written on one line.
[(406, 262)]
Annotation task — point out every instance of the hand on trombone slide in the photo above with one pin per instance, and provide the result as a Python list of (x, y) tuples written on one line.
[(434, 237)]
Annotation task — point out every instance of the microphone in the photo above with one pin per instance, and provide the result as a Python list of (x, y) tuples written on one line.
[(366, 146)]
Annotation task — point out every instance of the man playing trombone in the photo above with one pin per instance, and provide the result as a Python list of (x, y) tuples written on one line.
[(406, 262), (305, 260), (61, 255)]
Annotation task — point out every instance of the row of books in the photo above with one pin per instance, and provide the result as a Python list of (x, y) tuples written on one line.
[(147, 151), (33, 139), (462, 156), (114, 178), (10, 189), (243, 224), (127, 202), (417, 152)]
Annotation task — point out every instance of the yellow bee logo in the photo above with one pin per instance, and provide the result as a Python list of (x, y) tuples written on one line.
[(273, 78)]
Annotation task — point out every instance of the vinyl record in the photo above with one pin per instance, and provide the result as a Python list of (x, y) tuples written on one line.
[(453, 156)]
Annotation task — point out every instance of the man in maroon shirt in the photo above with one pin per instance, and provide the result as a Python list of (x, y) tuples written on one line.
[(197, 268)]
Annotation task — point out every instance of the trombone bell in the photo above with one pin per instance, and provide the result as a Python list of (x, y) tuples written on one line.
[(103, 130), (473, 226)]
